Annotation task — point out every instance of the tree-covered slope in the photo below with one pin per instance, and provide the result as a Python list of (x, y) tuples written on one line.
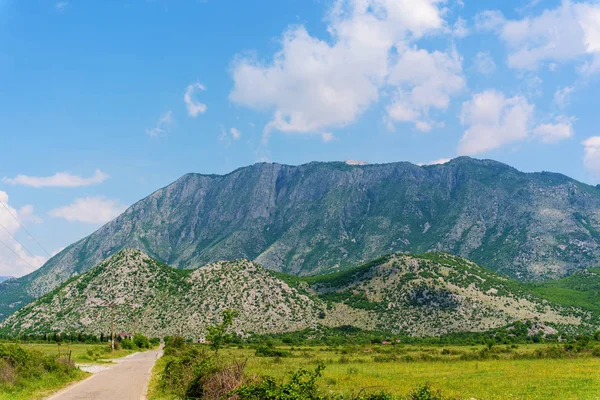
[(323, 217), (425, 295)]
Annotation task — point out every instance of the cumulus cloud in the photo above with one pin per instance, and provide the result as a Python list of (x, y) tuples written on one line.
[(15, 260), (423, 81), (562, 96), (591, 157), (163, 125), (460, 29), (312, 84), (194, 107), (484, 63), (494, 120), (570, 31), (90, 210), (60, 179), (552, 133)]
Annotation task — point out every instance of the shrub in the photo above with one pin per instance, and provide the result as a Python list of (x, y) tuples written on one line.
[(270, 351), (141, 341), (425, 392), (302, 385), (127, 344), (18, 365)]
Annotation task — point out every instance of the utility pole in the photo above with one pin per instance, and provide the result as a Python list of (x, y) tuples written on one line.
[(112, 328)]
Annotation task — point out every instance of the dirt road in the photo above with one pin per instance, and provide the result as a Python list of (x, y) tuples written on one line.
[(127, 380)]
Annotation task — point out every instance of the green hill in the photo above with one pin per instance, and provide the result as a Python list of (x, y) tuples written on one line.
[(431, 294)]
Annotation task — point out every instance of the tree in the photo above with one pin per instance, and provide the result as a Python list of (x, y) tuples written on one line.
[(219, 334)]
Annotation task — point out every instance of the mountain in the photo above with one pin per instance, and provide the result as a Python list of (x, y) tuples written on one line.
[(5, 278), (154, 298), (419, 295), (326, 217)]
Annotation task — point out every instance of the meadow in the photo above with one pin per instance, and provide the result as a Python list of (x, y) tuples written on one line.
[(528, 371), (458, 371), (80, 353)]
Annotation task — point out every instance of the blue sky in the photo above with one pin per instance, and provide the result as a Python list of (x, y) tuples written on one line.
[(101, 103)]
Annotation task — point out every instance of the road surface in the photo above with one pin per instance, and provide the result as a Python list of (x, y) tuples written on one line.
[(127, 380)]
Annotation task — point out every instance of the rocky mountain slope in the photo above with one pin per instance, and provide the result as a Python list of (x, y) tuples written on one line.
[(151, 297), (324, 217), (418, 295)]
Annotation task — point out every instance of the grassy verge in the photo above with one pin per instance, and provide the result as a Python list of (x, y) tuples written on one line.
[(31, 374), (155, 391)]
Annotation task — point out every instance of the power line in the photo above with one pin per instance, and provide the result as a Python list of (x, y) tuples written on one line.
[(17, 254), (16, 240), (25, 229)]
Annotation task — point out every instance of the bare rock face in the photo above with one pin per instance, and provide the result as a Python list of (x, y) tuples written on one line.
[(323, 217)]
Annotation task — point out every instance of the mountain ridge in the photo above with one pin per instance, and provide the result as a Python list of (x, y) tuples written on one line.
[(321, 217)]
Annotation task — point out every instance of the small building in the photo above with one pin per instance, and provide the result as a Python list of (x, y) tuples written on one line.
[(124, 335), (386, 342)]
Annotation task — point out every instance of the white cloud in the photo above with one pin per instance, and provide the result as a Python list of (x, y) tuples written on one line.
[(591, 158), (424, 81), (493, 120), (356, 162), (61, 5), (228, 134), (60, 179), (165, 122), (327, 137), (235, 133), (562, 96), (91, 210), (460, 29), (313, 84), (490, 20), (436, 162), (194, 107), (484, 63), (552, 133), (14, 259), (570, 31)]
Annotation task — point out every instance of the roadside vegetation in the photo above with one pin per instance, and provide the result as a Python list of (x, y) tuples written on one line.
[(29, 374), (38, 366)]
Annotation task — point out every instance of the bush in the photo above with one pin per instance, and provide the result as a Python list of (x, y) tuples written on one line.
[(127, 344), (141, 341), (302, 385), (270, 351), (425, 392), (18, 365)]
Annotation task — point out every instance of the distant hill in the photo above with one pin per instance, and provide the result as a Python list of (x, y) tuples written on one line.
[(326, 217), (5, 278), (417, 295)]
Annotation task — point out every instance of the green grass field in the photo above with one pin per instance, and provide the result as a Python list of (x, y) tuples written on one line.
[(80, 353), (507, 374)]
